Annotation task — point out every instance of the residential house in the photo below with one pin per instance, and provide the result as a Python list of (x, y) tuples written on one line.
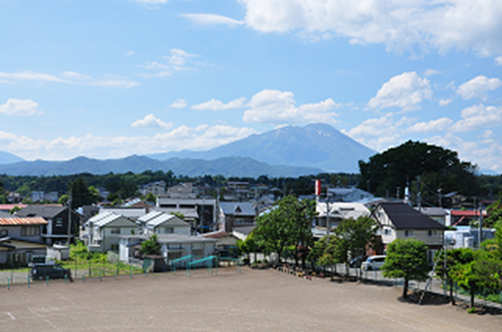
[(158, 222), (154, 188), (57, 218), (104, 230), (226, 243), (401, 221), (465, 217), (351, 194), (20, 239), (38, 196), (236, 214), (132, 213), (437, 213), (466, 237), (204, 208), (338, 211)]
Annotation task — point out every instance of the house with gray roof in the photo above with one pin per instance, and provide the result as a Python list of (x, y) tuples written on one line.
[(236, 214), (58, 218), (158, 222), (401, 221), (103, 231)]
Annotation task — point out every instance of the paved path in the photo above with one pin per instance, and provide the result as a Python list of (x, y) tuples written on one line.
[(255, 300)]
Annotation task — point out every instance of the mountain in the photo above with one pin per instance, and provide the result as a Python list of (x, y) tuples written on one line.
[(9, 158), (315, 145), (232, 166)]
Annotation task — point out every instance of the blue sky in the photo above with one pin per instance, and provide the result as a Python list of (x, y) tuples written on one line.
[(111, 78)]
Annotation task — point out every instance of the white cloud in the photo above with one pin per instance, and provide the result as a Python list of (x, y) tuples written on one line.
[(431, 72), (430, 126), (405, 91), (445, 102), (217, 105), (201, 137), (212, 19), (488, 154), (179, 57), (478, 87), (176, 61), (179, 103), (70, 77), (20, 107), (273, 106), (401, 25), (129, 53), (498, 60), (478, 117), (150, 121)]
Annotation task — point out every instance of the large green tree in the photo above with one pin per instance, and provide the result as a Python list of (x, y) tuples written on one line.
[(494, 214), (437, 167), (80, 194), (288, 223), (406, 259)]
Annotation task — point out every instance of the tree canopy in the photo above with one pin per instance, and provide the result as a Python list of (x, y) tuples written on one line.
[(438, 168), (406, 259)]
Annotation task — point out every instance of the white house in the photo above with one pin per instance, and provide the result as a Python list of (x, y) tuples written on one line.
[(339, 211), (158, 222), (104, 230)]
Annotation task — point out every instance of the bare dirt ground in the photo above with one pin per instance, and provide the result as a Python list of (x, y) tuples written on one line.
[(255, 300)]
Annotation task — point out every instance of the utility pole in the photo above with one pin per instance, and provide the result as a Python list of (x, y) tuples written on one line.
[(480, 235), (69, 218), (327, 216)]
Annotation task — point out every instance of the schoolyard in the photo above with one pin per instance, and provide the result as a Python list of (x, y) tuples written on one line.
[(253, 300)]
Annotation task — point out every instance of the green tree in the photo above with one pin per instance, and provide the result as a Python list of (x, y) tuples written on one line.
[(151, 246), (80, 194), (151, 198), (438, 168), (406, 259), (454, 259), (494, 214), (358, 234)]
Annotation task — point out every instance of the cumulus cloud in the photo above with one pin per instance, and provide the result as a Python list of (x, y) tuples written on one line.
[(212, 19), (201, 137), (150, 121), (478, 117), (445, 102), (20, 107), (405, 91), (274, 106), (498, 60), (401, 25), (175, 61), (478, 87), (179, 103), (70, 78), (217, 105), (430, 126)]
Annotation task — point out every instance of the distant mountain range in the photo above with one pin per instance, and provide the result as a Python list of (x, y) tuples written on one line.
[(288, 151), (315, 145), (233, 166)]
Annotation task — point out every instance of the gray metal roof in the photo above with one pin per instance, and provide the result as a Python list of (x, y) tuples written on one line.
[(44, 211), (157, 218), (103, 219), (237, 209)]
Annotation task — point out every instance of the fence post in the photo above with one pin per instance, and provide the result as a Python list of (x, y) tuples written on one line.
[(83, 277), (130, 271), (47, 280), (28, 281), (8, 283)]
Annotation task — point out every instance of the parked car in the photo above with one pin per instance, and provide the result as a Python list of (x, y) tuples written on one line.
[(53, 271), (373, 263), (356, 262)]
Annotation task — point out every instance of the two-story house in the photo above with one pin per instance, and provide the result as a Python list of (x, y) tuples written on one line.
[(58, 218), (401, 221), (158, 222), (20, 239), (103, 231)]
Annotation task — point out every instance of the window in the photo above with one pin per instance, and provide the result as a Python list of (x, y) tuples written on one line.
[(59, 222), (408, 233), (30, 231), (4, 232), (387, 231), (115, 230), (432, 233)]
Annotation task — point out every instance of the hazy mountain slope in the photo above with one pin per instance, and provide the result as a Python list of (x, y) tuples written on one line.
[(9, 158), (234, 166), (315, 145)]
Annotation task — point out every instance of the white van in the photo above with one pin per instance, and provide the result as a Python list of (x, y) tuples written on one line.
[(373, 263)]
